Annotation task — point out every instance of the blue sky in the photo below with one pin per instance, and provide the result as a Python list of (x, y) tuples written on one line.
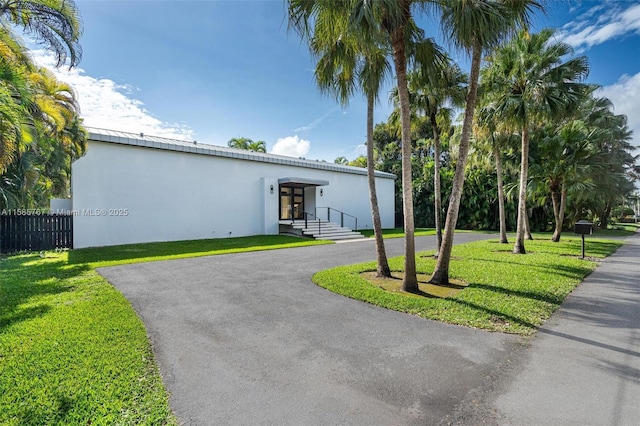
[(213, 70)]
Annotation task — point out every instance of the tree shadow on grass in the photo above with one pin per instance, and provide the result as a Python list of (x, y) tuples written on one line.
[(132, 252), (25, 280), (499, 316), (565, 271), (548, 298)]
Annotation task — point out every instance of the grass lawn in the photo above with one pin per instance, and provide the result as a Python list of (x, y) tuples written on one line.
[(72, 350), (504, 292), (617, 230), (149, 252)]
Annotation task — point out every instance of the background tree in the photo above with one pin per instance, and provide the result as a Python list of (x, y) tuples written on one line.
[(367, 22), (55, 24), (473, 26), (529, 81), (433, 93), (344, 64), (247, 144)]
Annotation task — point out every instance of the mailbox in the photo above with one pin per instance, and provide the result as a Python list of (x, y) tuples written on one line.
[(583, 227)]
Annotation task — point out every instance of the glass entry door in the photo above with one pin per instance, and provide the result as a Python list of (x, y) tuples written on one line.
[(291, 203)]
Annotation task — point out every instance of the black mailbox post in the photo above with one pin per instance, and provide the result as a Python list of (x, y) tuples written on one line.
[(583, 228)]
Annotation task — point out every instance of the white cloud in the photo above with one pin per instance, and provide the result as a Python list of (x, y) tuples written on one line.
[(108, 105), (625, 95), (291, 146), (584, 32), (360, 149)]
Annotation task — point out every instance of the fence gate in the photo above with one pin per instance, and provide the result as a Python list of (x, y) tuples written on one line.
[(35, 232)]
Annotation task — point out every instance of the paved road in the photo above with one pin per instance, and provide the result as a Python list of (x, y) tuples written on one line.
[(583, 366), (249, 339)]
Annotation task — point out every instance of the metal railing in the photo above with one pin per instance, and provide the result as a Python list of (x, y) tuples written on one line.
[(314, 217), (342, 215)]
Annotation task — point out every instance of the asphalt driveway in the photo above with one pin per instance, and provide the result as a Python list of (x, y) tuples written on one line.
[(249, 339)]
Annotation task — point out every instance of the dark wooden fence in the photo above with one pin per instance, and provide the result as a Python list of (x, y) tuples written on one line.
[(35, 232)]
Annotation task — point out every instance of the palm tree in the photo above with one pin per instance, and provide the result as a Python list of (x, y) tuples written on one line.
[(487, 130), (564, 153), (54, 23), (343, 64), (432, 93), (258, 146), (15, 96), (40, 130), (247, 144), (239, 143), (530, 82), (473, 26), (368, 21)]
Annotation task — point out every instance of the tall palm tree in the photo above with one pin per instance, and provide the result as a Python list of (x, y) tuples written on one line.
[(496, 136), (432, 93), (342, 65), (530, 82), (473, 26), (56, 24), (367, 21)]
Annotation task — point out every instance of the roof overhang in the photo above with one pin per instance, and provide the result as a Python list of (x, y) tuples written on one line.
[(302, 182)]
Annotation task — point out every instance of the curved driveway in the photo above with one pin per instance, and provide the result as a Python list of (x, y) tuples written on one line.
[(249, 339)]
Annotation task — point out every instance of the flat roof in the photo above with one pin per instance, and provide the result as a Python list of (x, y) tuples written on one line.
[(303, 182), (156, 142)]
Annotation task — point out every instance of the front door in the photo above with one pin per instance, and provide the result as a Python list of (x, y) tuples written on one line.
[(291, 203)]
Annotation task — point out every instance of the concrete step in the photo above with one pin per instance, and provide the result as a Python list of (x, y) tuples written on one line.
[(325, 230), (353, 236)]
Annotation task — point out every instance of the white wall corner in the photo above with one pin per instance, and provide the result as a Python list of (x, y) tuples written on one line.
[(270, 205)]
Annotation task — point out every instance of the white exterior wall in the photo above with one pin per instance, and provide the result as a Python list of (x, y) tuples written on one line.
[(128, 194)]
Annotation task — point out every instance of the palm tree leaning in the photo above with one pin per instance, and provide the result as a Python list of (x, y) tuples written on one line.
[(530, 82), (473, 25)]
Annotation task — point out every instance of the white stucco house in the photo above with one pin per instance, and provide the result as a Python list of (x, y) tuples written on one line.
[(133, 188)]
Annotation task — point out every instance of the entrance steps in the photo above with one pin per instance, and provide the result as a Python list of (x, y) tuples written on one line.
[(323, 230)]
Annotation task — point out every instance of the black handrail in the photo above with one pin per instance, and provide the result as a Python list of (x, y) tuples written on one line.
[(306, 221), (342, 215)]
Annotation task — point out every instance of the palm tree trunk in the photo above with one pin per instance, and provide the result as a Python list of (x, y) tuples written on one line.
[(527, 227), (441, 272), (381, 255), (522, 199), (563, 209), (502, 214), (410, 281), (555, 200), (436, 181)]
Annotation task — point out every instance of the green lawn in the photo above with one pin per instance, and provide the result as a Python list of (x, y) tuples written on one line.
[(617, 230), (72, 350), (149, 252), (506, 292)]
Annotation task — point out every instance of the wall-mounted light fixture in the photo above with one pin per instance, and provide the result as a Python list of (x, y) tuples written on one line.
[(321, 192), (271, 189)]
